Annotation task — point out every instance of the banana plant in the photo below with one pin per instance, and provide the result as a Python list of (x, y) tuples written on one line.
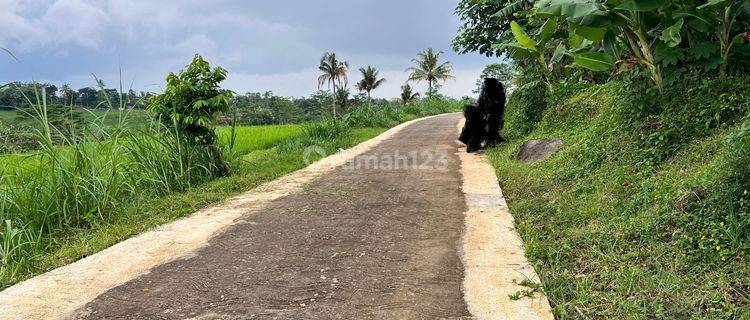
[(720, 16), (605, 21), (535, 48)]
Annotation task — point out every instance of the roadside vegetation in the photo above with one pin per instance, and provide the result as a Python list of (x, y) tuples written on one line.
[(81, 179), (644, 213)]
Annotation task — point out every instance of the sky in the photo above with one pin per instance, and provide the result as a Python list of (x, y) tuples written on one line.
[(265, 45)]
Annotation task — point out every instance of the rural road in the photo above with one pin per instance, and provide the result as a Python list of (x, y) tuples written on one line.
[(373, 241), (403, 226)]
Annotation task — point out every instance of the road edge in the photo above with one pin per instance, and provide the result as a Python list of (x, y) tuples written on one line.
[(60, 292), (491, 250)]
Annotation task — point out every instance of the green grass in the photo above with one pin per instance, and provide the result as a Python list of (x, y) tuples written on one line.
[(253, 138), (70, 202), (7, 115), (642, 214)]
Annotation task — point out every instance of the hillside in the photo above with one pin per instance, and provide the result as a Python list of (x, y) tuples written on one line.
[(644, 212)]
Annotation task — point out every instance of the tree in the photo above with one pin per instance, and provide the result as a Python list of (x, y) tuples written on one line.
[(192, 99), (191, 103), (486, 23), (342, 97), (334, 74), (428, 68), (407, 96), (721, 17), (68, 95), (88, 97), (503, 72), (369, 80)]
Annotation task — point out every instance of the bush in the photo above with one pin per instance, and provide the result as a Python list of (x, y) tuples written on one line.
[(86, 181), (525, 109)]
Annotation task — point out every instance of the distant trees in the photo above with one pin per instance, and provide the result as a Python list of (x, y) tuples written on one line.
[(369, 80), (407, 96), (333, 73), (503, 72), (429, 68), (88, 97)]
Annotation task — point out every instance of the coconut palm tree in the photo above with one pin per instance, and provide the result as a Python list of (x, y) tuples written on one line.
[(334, 74), (407, 96), (369, 80), (430, 69)]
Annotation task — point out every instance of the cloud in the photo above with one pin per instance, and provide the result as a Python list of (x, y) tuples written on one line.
[(265, 45)]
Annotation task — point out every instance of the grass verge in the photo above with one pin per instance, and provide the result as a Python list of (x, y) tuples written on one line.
[(644, 213)]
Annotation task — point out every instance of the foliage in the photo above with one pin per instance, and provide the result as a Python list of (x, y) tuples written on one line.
[(334, 73), (369, 80), (504, 72), (83, 180), (407, 95), (14, 96), (525, 109), (429, 68), (644, 204), (486, 23), (665, 39), (192, 100)]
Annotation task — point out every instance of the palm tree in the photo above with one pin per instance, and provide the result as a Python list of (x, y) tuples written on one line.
[(342, 97), (430, 69), (67, 94), (407, 96), (369, 80), (333, 71)]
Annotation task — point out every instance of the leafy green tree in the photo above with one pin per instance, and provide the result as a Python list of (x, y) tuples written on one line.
[(429, 68), (486, 23), (192, 100), (68, 95), (89, 97), (503, 72), (369, 80), (333, 73), (407, 95)]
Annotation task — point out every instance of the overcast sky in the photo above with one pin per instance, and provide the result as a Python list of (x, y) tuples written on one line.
[(265, 44)]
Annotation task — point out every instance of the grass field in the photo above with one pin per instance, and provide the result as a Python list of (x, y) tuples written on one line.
[(253, 138)]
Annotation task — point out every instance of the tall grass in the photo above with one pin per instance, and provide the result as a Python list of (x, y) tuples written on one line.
[(84, 181)]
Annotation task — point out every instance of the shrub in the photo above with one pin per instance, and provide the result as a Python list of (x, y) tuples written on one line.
[(191, 104), (525, 109)]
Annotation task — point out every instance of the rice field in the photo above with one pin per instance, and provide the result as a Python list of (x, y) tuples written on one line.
[(254, 138)]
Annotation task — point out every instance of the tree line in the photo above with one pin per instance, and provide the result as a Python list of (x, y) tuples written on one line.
[(17, 94), (427, 67)]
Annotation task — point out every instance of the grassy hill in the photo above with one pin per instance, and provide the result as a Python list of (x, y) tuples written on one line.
[(644, 213)]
